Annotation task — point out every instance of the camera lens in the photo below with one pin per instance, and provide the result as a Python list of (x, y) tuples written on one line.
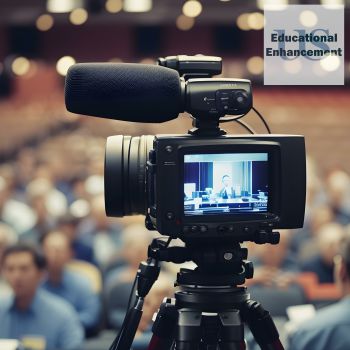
[(125, 174)]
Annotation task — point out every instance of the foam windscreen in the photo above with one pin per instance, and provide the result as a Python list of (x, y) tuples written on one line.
[(124, 91)]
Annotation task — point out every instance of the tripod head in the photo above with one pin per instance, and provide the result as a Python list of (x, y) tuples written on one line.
[(219, 263)]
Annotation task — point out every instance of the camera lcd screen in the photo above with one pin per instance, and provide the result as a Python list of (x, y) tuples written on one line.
[(226, 183)]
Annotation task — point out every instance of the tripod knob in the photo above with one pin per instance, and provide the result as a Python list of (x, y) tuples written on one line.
[(248, 269)]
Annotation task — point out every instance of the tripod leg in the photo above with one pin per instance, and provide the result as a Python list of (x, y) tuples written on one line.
[(188, 335), (163, 328), (232, 331), (262, 326)]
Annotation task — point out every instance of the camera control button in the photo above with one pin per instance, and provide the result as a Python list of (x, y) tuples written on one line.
[(203, 228), (170, 215), (222, 229), (194, 228)]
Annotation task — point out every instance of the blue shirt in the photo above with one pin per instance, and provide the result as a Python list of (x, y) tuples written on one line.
[(78, 292), (47, 316), (329, 330)]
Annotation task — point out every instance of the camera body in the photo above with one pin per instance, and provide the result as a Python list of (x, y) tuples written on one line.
[(268, 189), (205, 186)]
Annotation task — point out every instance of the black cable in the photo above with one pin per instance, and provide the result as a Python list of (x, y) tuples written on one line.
[(245, 126), (168, 242), (116, 340), (231, 119), (262, 119)]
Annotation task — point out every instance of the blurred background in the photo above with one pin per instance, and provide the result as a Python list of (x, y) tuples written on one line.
[(51, 161)]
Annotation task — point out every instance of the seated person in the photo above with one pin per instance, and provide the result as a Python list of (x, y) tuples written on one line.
[(69, 285), (33, 311), (274, 265), (68, 224), (328, 239), (227, 190), (7, 237), (329, 329)]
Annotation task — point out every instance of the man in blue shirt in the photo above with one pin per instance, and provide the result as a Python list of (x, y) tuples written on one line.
[(330, 328), (66, 284), (32, 313)]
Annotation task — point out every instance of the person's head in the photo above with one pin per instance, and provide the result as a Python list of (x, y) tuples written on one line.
[(226, 180), (342, 265), (338, 188), (23, 266), (57, 250), (135, 240), (8, 236), (320, 216), (329, 237), (68, 224), (98, 211), (4, 191)]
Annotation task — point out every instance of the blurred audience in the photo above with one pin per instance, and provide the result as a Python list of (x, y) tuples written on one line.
[(135, 239), (100, 232), (162, 288), (7, 237), (57, 187), (67, 284), (32, 314), (275, 265), (329, 329), (68, 224), (328, 239), (338, 192)]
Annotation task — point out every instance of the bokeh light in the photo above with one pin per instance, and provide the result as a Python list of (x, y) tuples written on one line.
[(44, 22), (63, 64), (192, 8), (78, 16), (184, 23)]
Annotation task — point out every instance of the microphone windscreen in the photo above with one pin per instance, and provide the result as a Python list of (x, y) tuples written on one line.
[(124, 91)]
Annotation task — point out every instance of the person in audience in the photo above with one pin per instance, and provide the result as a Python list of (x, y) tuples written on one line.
[(118, 280), (100, 232), (68, 224), (14, 212), (274, 265), (47, 204), (67, 284), (7, 237), (329, 329), (328, 239), (135, 240), (161, 289), (338, 191), (31, 311), (303, 240)]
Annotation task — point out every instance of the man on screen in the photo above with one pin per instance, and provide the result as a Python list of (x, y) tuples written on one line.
[(227, 190)]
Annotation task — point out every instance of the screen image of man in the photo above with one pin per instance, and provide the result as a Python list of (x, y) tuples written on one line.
[(329, 329), (32, 314), (227, 190)]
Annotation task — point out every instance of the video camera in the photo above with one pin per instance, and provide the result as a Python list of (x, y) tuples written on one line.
[(203, 185), (211, 190)]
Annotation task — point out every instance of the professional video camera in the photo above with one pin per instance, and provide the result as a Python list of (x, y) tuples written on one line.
[(211, 190)]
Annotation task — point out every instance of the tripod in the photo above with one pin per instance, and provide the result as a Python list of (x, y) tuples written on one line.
[(210, 308)]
